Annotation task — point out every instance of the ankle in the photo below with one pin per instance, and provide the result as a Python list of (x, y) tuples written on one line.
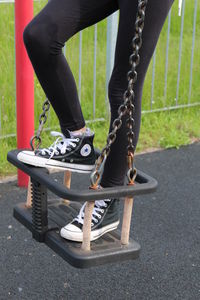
[(84, 131), (79, 132)]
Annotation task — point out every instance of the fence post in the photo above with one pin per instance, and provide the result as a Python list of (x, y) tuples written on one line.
[(24, 82), (112, 28)]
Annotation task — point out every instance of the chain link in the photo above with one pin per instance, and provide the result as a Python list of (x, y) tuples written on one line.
[(36, 140), (127, 108)]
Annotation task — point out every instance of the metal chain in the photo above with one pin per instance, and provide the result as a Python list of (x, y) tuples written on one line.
[(36, 140), (127, 107)]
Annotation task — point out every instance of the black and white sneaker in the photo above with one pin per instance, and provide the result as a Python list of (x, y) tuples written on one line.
[(75, 153), (105, 218)]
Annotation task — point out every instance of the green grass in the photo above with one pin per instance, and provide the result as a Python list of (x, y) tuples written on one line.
[(158, 130)]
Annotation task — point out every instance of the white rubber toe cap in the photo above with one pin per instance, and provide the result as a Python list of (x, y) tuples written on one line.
[(71, 228), (25, 153), (29, 157), (71, 232)]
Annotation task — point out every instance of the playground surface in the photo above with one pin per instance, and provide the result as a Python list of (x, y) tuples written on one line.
[(165, 223)]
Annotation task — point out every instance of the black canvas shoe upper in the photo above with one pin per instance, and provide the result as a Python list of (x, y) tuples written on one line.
[(73, 149), (105, 212)]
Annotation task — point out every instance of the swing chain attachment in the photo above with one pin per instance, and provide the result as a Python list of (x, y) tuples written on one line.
[(36, 140), (129, 95), (127, 108)]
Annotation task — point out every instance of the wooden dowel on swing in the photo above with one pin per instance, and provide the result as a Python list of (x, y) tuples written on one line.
[(128, 206), (29, 195), (67, 179), (87, 226), (67, 183)]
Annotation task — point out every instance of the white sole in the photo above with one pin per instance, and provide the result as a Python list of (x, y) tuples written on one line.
[(95, 234), (28, 157)]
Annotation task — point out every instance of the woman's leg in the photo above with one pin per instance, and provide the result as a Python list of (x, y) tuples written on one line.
[(44, 39), (156, 13)]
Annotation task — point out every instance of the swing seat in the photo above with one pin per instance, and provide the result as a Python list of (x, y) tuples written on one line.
[(45, 218), (107, 249)]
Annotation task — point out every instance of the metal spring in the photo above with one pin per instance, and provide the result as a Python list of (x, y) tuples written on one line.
[(36, 207)]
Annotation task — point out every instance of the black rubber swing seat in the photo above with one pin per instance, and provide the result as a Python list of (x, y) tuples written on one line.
[(45, 218)]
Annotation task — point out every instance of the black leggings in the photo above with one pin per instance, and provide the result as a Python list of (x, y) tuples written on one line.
[(59, 20)]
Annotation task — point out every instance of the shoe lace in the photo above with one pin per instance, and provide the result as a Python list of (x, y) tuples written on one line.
[(98, 207), (61, 144)]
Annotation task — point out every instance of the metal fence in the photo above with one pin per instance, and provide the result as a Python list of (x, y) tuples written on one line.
[(187, 102), (156, 98)]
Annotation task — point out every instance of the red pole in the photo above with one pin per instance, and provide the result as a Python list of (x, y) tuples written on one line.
[(24, 82)]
